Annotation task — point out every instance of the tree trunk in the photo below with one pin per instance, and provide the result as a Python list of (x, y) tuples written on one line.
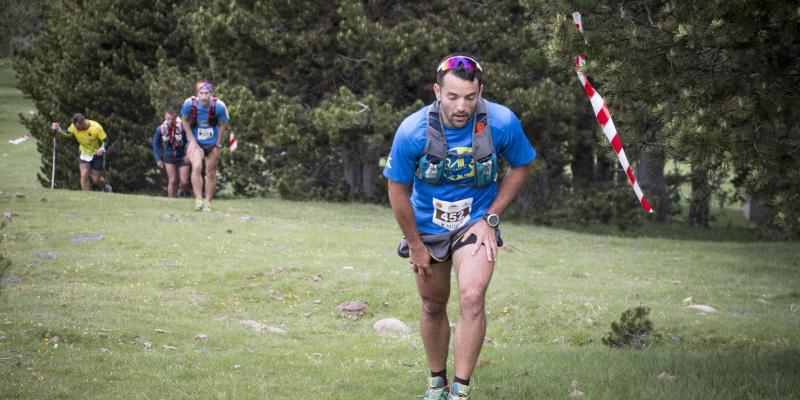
[(699, 203), (350, 169), (650, 175), (604, 171), (582, 164), (369, 175)]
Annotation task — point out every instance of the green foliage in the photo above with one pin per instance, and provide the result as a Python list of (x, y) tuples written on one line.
[(668, 69), (634, 329), (317, 89), (91, 57)]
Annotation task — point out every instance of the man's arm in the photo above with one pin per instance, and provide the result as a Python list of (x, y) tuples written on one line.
[(404, 214), (56, 127), (156, 145), (509, 188), (187, 130), (103, 138), (222, 121), (222, 126)]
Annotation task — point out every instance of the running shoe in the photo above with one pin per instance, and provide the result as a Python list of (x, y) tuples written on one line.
[(437, 389), (459, 392)]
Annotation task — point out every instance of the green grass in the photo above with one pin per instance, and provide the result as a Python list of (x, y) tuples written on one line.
[(20, 162), (76, 326)]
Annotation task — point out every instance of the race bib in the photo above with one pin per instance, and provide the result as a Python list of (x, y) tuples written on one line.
[(86, 157), (205, 133), (451, 215)]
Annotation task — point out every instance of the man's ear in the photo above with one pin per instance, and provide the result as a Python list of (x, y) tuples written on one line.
[(480, 91), (437, 91)]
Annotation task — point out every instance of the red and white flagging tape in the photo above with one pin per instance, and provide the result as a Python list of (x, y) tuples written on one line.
[(604, 118)]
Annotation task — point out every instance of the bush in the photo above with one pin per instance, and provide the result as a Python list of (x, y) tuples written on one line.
[(634, 329)]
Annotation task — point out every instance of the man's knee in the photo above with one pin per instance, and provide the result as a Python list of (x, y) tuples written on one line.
[(434, 307), (472, 303)]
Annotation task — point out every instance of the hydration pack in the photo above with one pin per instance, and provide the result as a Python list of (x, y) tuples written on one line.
[(430, 167), (212, 112), (168, 136)]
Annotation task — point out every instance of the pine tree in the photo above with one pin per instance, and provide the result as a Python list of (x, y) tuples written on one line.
[(90, 57)]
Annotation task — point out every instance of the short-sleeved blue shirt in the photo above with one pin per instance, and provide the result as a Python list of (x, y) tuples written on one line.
[(203, 132), (456, 203)]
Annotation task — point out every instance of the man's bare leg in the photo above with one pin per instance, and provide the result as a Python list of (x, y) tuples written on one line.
[(211, 174), (434, 325), (84, 168), (473, 274), (172, 180), (196, 159)]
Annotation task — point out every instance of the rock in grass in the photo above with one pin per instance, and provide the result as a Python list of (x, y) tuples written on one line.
[(13, 281), (201, 336), (704, 309), (259, 327), (664, 376), (576, 392), (391, 326), (87, 238), (353, 309)]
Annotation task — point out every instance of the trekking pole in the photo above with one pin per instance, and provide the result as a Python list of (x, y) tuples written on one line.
[(53, 173)]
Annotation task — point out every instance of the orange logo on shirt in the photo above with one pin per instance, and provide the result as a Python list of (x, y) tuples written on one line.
[(479, 127)]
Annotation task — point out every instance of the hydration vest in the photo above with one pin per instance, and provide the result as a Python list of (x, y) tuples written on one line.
[(430, 167), (168, 136), (212, 112)]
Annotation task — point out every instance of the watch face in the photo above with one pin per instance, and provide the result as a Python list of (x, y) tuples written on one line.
[(492, 220)]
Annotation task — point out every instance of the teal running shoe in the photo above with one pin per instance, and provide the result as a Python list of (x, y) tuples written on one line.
[(437, 389), (460, 392)]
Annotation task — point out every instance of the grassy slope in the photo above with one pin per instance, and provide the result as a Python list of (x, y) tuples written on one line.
[(160, 266)]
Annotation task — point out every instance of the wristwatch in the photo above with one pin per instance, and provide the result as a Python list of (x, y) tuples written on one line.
[(219, 146), (492, 220)]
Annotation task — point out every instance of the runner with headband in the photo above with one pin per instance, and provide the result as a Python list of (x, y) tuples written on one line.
[(450, 151), (206, 118)]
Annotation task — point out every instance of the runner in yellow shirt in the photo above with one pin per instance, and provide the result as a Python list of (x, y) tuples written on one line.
[(92, 141)]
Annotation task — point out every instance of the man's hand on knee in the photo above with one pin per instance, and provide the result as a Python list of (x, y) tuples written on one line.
[(486, 236)]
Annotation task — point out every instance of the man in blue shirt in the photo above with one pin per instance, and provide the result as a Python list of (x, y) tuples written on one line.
[(206, 117), (170, 140), (451, 217)]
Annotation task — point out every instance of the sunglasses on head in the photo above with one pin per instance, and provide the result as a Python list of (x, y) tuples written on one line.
[(459, 61)]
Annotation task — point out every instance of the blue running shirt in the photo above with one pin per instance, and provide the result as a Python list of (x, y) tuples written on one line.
[(203, 132), (456, 203)]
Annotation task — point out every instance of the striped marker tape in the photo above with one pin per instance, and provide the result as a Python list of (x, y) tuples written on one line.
[(604, 117)]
